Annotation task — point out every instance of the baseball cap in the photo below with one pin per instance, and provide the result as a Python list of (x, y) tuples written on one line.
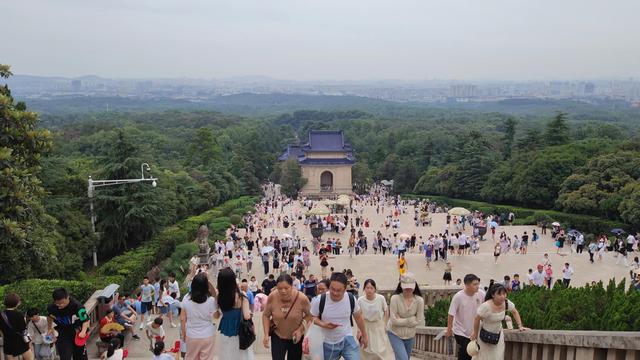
[(407, 281)]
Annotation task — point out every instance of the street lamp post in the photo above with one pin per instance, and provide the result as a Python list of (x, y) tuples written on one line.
[(101, 183)]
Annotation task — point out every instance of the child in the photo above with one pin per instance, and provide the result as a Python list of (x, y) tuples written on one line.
[(496, 253), (447, 273), (155, 332), (238, 266), (515, 283), (429, 254)]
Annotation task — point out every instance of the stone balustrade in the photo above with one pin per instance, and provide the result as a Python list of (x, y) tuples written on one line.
[(541, 345)]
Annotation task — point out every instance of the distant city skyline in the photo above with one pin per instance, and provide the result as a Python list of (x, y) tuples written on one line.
[(375, 40)]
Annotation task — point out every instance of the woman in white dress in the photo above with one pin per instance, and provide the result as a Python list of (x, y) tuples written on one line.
[(375, 313), (489, 317)]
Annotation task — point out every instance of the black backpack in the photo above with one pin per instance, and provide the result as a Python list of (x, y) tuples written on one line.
[(352, 303)]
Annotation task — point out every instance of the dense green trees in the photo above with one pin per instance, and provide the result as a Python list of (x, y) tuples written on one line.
[(290, 177), (27, 233)]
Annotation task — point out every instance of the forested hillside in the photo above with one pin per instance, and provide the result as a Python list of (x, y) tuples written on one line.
[(569, 161)]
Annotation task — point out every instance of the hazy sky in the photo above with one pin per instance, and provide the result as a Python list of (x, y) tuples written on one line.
[(320, 40)]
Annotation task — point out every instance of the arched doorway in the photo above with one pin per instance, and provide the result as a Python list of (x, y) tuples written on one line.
[(326, 181)]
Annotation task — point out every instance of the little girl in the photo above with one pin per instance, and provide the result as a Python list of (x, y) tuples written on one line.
[(447, 273), (496, 253)]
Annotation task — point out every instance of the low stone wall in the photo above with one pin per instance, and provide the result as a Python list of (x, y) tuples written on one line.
[(541, 345)]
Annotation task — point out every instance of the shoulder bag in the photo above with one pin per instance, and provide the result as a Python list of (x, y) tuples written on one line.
[(491, 337)]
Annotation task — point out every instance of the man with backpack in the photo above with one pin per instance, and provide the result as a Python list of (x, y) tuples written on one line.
[(335, 313)]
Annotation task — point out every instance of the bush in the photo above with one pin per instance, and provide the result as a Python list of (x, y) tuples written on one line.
[(524, 216), (235, 219), (179, 261), (128, 269), (37, 292), (613, 308)]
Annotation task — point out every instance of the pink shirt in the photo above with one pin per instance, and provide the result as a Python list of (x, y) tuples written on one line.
[(463, 308)]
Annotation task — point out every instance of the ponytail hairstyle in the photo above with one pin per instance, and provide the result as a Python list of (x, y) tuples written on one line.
[(114, 344), (158, 348)]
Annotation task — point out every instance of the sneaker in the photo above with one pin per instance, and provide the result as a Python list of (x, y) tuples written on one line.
[(140, 326), (135, 336), (173, 325)]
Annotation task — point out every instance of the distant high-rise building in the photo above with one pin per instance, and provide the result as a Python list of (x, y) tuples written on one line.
[(76, 85), (589, 88), (463, 90)]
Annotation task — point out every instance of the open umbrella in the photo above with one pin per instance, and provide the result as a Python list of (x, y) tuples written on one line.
[(319, 210), (267, 249), (328, 202), (573, 232), (286, 235), (404, 236), (459, 211), (555, 223), (617, 231), (343, 200)]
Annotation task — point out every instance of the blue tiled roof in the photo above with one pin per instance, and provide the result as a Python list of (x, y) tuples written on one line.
[(292, 151), (321, 141), (326, 140), (308, 161)]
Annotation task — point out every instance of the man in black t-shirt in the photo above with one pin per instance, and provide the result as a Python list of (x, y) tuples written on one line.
[(268, 284), (70, 317)]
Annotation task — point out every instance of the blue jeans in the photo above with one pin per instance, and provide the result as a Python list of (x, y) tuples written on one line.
[(401, 347), (347, 348)]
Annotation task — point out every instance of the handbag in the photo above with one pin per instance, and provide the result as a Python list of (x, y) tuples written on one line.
[(491, 337), (246, 332), (272, 326)]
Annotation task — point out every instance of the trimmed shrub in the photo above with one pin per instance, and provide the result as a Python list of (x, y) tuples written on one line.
[(610, 308), (235, 219), (37, 292)]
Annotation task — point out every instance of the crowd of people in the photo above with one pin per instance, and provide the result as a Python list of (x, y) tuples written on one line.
[(322, 316)]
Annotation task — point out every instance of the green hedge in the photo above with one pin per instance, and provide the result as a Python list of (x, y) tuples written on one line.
[(133, 265), (524, 216), (610, 308), (128, 269), (37, 292)]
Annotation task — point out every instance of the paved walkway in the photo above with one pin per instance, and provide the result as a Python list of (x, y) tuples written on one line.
[(384, 269)]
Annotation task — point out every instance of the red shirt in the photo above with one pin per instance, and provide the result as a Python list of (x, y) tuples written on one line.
[(104, 321)]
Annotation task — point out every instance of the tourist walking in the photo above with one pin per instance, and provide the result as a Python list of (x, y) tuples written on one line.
[(567, 272), (13, 328), (462, 312), (234, 306), (196, 320), (402, 264), (37, 329), (68, 314), (375, 313), (487, 324), (285, 320), (406, 312), (334, 313)]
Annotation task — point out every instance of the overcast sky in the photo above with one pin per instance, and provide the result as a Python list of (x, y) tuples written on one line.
[(324, 40)]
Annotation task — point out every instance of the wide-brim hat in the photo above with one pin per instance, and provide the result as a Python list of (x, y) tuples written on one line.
[(473, 348)]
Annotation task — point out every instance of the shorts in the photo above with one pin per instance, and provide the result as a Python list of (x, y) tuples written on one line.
[(447, 276), (145, 306), (164, 310)]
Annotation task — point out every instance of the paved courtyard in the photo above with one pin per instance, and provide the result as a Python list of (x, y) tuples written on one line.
[(384, 269)]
